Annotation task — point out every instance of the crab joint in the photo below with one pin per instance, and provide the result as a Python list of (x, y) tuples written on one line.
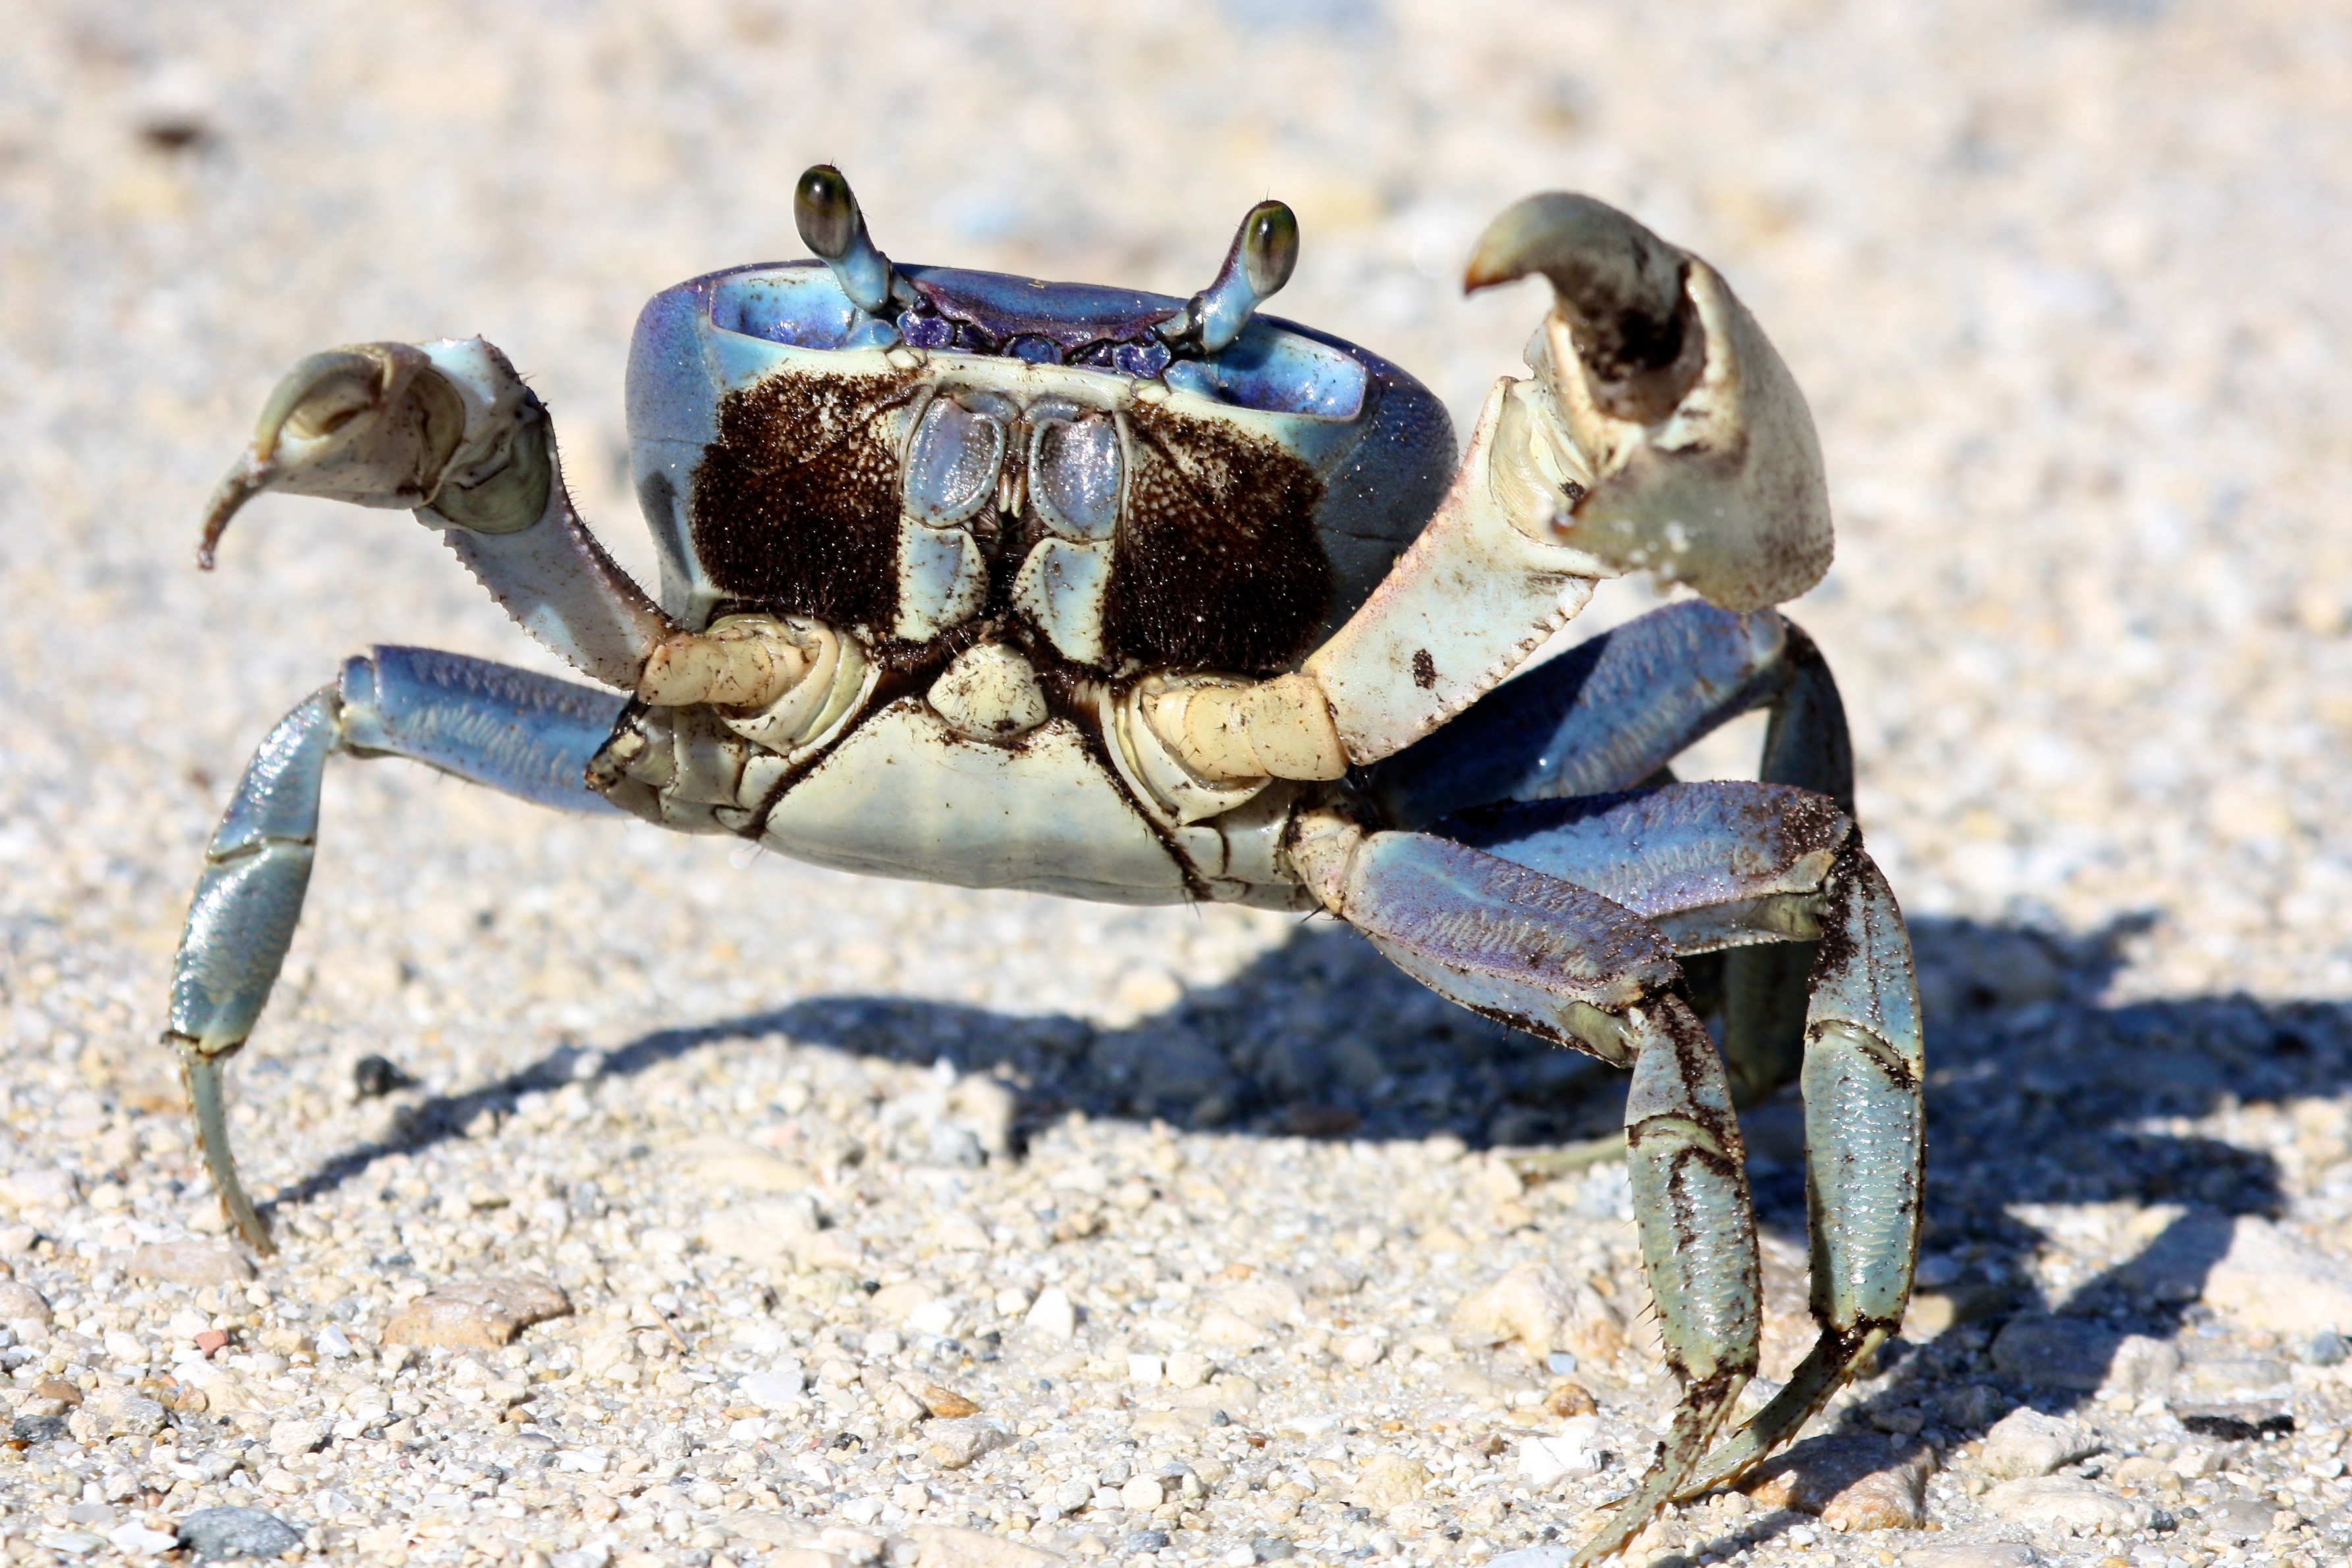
[(1279, 729), (375, 423), (742, 661)]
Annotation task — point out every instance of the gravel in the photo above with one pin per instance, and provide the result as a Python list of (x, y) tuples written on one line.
[(1185, 1205)]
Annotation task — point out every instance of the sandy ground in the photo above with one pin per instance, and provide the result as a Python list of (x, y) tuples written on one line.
[(2061, 281)]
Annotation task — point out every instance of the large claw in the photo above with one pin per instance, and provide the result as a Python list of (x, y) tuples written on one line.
[(1665, 432), (1660, 433)]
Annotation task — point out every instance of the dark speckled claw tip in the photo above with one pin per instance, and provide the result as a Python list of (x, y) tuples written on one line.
[(1619, 287)]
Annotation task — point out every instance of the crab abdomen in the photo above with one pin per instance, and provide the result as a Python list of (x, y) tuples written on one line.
[(905, 796)]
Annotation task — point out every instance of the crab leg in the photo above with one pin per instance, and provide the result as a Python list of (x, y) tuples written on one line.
[(1570, 966), (1614, 711), (1865, 1151), (1518, 946), (257, 870), (1722, 865), (1605, 715), (1711, 865), (520, 732), (1697, 1226)]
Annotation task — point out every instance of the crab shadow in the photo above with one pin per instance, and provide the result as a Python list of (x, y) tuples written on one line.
[(2040, 1094)]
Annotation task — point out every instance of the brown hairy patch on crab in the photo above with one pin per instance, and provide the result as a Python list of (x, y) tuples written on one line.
[(1218, 565), (796, 505)]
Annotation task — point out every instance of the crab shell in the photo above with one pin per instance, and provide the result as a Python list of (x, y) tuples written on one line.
[(1041, 465)]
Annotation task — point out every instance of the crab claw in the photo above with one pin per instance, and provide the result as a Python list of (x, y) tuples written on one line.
[(375, 423), (1619, 287), (1661, 431)]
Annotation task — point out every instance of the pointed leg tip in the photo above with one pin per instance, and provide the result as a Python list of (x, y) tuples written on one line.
[(207, 1100)]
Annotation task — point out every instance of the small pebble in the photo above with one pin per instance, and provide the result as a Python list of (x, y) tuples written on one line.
[(2027, 1443), (476, 1314), (373, 1077), (2068, 1504), (192, 1263), (1854, 1483), (37, 1429), (215, 1534)]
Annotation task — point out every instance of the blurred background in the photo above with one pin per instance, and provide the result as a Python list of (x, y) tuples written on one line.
[(2063, 279)]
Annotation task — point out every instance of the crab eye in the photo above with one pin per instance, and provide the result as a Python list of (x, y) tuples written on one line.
[(952, 464), (1075, 471), (1269, 248)]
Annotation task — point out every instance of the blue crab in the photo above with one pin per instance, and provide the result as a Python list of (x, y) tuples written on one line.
[(1002, 582)]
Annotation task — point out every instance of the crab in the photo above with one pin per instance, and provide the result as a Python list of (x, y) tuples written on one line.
[(1001, 583)]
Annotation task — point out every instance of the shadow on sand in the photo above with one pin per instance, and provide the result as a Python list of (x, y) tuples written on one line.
[(2040, 1094)]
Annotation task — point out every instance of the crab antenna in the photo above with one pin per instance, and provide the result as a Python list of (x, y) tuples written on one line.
[(1264, 252), (831, 225)]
